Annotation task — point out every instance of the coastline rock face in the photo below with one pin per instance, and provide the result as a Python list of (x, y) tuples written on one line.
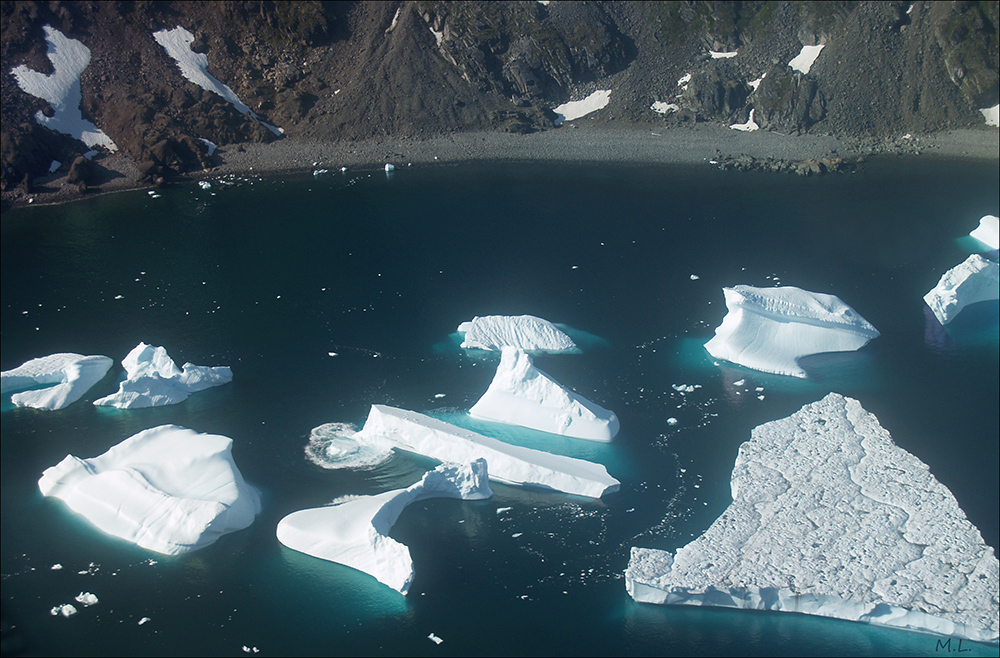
[(356, 533), (831, 518), (521, 394), (526, 332), (72, 374), (168, 489), (976, 279), (769, 329), (423, 435), (154, 380)]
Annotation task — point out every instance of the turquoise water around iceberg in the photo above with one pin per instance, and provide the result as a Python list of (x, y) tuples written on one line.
[(270, 276)]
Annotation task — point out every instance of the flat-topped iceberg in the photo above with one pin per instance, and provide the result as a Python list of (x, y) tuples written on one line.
[(356, 533), (770, 329), (152, 379), (974, 280), (168, 489), (521, 394), (830, 517), (988, 231), (493, 332), (414, 432), (72, 375)]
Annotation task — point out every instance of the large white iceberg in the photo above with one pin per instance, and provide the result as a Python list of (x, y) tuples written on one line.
[(414, 432), (154, 380), (829, 517), (769, 329), (168, 489), (71, 374), (974, 280), (492, 332), (521, 394), (356, 533), (988, 231)]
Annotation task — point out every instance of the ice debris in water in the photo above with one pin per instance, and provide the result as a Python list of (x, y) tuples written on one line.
[(86, 599), (64, 610), (72, 375)]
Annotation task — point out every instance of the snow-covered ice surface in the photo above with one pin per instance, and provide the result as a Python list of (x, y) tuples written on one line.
[(723, 55), (72, 375), (769, 329), (749, 126), (662, 107), (991, 115), (521, 394), (414, 432), (356, 533), (61, 89), (805, 59), (576, 109), (976, 279), (493, 332), (168, 489), (154, 380), (988, 231), (831, 518), (194, 67)]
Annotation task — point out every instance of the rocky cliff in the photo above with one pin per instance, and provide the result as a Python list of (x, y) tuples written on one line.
[(348, 71)]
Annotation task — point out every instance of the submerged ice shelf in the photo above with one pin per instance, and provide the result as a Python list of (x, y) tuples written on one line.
[(414, 432), (70, 376), (831, 518), (521, 394), (154, 380), (770, 329), (356, 533), (168, 489), (976, 279), (493, 332)]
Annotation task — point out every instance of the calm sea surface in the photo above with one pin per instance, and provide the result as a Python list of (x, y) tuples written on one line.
[(271, 275)]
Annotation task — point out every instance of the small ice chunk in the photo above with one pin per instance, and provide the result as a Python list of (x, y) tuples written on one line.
[(695, 277), (988, 231), (974, 280), (805, 59), (144, 620), (64, 610), (526, 332), (740, 382), (154, 380), (57, 566), (434, 638), (319, 172), (86, 599), (72, 374), (576, 109), (389, 167), (204, 184), (672, 421)]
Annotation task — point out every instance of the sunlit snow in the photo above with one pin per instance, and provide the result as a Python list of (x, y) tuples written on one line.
[(749, 126), (805, 59), (976, 279), (576, 109), (988, 231), (67, 377), (991, 115)]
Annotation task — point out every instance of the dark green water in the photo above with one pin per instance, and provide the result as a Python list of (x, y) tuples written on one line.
[(269, 276)]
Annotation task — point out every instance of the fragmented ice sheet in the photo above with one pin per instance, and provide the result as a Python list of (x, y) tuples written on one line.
[(154, 380), (576, 109), (61, 89), (71, 374), (413, 432), (829, 517), (493, 332), (988, 231), (769, 329), (356, 533), (168, 489), (521, 394), (974, 280)]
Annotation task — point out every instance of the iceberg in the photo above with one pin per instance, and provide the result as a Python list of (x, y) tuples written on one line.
[(154, 380), (356, 533), (974, 280), (168, 489), (521, 394), (988, 231), (423, 435), (72, 374), (831, 518), (492, 332), (769, 329)]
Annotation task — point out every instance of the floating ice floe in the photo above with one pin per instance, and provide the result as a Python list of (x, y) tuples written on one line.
[(805, 59), (991, 115), (356, 533), (576, 109), (988, 231), (749, 126), (521, 394), (154, 380), (831, 518), (423, 435), (72, 375), (194, 67), (86, 599), (168, 489), (769, 329), (61, 89), (974, 280), (660, 107), (493, 332), (64, 610)]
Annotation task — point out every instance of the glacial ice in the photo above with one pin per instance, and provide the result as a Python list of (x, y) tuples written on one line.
[(168, 489), (356, 533), (154, 380), (988, 231), (521, 394), (976, 279), (414, 432), (72, 374), (492, 332), (831, 518), (769, 329)]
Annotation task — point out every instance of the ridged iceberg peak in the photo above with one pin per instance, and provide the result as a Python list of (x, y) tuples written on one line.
[(70, 375), (154, 380), (493, 332), (976, 279)]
